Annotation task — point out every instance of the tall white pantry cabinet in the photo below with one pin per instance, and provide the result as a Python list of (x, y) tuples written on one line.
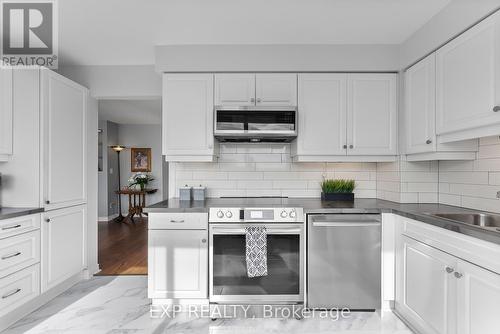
[(47, 169)]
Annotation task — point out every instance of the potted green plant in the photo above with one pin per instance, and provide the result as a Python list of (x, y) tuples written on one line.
[(337, 190)]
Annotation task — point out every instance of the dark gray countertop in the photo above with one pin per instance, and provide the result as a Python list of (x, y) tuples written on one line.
[(315, 205), (6, 213)]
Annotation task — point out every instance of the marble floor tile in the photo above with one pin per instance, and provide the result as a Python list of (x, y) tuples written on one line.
[(120, 305)]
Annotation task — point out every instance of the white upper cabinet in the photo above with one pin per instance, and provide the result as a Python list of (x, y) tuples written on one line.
[(248, 89), (420, 118), (6, 117), (276, 89), (188, 117), (371, 114), (468, 81), (63, 109), (322, 115), (235, 89), (420, 106), (346, 117)]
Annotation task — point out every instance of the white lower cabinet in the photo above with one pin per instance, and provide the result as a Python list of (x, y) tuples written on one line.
[(424, 297), (478, 303), (19, 288), (177, 264), (438, 293), (63, 245)]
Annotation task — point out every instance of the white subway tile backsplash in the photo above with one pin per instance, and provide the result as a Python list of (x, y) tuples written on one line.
[(290, 184), (495, 179), (245, 175), (489, 140), (428, 197), (209, 175), (255, 184), (464, 177), (267, 170), (489, 151), (266, 166)]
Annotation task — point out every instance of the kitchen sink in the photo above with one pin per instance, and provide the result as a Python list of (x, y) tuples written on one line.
[(477, 219)]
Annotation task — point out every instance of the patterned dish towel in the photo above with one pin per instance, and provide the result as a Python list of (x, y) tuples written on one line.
[(256, 251)]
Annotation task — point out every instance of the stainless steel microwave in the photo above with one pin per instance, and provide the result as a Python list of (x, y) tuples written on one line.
[(255, 124)]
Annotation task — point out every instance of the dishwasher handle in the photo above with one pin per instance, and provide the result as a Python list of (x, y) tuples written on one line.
[(346, 224)]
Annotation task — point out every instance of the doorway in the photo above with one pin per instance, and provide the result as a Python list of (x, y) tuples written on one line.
[(134, 125)]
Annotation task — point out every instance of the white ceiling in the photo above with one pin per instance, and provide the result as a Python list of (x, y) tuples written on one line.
[(130, 111), (124, 32)]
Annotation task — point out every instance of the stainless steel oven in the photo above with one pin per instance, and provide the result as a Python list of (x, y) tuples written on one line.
[(255, 124), (228, 280)]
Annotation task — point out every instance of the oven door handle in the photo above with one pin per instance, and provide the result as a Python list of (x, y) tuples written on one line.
[(239, 230)]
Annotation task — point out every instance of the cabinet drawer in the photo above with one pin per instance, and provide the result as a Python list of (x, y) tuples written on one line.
[(19, 288), (19, 252), (18, 225), (178, 221)]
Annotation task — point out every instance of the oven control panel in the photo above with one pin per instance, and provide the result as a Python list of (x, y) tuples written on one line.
[(256, 215)]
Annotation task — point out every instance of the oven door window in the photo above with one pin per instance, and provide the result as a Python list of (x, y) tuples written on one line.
[(229, 266)]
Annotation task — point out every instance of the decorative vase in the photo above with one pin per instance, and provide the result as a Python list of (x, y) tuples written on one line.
[(337, 197), (142, 186)]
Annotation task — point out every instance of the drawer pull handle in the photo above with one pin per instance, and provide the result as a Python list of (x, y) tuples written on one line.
[(449, 270), (177, 221), (11, 227), (458, 275), (5, 257), (13, 292)]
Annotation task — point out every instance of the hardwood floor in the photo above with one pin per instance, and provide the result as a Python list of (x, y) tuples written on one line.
[(123, 248)]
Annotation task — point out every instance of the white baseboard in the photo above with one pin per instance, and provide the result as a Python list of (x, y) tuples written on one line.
[(107, 218)]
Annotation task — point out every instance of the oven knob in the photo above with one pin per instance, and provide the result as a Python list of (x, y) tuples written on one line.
[(283, 214), (220, 214), (229, 214), (292, 214)]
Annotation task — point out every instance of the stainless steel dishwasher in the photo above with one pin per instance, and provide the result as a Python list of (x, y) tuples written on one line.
[(343, 261)]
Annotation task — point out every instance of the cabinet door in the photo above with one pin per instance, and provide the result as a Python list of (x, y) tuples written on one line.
[(188, 116), (427, 291), (322, 114), (478, 300), (371, 114), (5, 112), (420, 106), (235, 89), (466, 83), (178, 264), (64, 141), (276, 89), (63, 244)]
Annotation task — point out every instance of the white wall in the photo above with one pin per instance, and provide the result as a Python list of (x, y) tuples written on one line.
[(267, 170), (116, 82), (451, 21), (141, 136), (276, 58)]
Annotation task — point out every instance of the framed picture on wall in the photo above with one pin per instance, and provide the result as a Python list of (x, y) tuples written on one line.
[(140, 159)]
